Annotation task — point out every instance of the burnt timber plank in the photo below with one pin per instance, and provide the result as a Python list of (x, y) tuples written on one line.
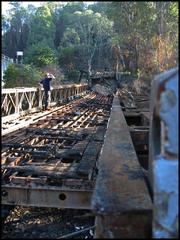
[(80, 146), (120, 189), (100, 132), (89, 158), (48, 171)]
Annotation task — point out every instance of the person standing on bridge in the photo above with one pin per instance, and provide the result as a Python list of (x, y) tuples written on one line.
[(47, 89)]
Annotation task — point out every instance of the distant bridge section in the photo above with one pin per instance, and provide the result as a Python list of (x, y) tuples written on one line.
[(20, 101)]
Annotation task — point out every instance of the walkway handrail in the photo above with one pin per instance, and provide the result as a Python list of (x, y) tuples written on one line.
[(19, 101)]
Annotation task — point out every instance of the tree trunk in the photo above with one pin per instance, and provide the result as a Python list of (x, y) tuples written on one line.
[(160, 25), (136, 59), (122, 62), (89, 66), (89, 72), (117, 65)]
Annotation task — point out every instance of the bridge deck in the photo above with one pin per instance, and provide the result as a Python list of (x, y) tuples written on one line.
[(56, 156), (52, 160)]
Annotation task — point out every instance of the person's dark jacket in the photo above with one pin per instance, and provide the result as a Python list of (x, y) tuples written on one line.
[(46, 83)]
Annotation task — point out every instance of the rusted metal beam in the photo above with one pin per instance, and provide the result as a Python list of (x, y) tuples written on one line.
[(59, 197), (140, 136), (121, 200), (129, 225)]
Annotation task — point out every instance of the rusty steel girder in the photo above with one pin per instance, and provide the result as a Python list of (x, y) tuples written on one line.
[(120, 201), (74, 194), (163, 155)]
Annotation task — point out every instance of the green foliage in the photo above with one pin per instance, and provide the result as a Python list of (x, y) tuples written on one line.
[(147, 32), (92, 32), (21, 76), (10, 76), (40, 55), (15, 32), (129, 36), (66, 54), (71, 7), (42, 27), (100, 7), (4, 23), (73, 75), (70, 37)]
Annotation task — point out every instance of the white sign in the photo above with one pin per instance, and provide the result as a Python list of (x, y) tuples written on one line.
[(19, 53)]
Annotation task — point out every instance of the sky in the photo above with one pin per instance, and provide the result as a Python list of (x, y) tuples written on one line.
[(5, 5)]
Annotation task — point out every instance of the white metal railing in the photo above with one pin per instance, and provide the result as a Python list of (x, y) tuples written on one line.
[(19, 101), (5, 61)]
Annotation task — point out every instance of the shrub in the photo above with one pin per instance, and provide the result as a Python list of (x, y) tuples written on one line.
[(40, 55), (73, 75), (21, 76)]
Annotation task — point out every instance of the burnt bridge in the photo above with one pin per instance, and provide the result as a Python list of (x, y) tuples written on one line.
[(96, 152)]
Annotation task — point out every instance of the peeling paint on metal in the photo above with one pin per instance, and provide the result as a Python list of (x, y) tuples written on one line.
[(165, 163)]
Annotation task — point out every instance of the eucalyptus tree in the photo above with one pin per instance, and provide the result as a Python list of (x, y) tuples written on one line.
[(40, 50), (15, 30), (133, 23), (42, 27), (167, 34), (63, 18), (95, 30), (147, 32)]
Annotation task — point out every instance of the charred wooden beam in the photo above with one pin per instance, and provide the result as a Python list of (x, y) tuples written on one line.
[(89, 158), (99, 134), (49, 171), (25, 146)]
